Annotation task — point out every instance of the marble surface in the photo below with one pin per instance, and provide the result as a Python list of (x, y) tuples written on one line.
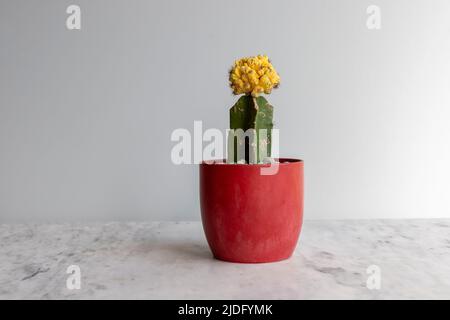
[(171, 260)]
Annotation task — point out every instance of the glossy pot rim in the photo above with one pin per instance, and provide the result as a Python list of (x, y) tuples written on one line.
[(222, 162)]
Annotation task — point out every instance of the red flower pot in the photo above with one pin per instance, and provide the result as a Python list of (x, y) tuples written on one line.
[(248, 217)]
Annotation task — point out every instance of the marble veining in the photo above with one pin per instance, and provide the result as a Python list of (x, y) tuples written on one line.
[(171, 260)]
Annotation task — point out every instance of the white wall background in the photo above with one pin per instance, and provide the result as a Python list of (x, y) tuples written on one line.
[(86, 116)]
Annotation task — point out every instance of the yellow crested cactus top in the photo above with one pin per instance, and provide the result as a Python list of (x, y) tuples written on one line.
[(253, 75)]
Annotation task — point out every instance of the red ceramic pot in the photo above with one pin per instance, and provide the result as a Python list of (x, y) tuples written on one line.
[(248, 217)]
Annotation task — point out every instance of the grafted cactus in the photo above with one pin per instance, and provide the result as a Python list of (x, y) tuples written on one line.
[(251, 118)]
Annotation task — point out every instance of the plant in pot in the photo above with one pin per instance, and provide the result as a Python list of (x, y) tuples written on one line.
[(252, 205)]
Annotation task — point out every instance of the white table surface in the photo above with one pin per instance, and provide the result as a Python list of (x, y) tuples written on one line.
[(171, 260)]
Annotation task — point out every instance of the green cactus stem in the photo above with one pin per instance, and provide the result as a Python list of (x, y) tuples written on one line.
[(254, 116)]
